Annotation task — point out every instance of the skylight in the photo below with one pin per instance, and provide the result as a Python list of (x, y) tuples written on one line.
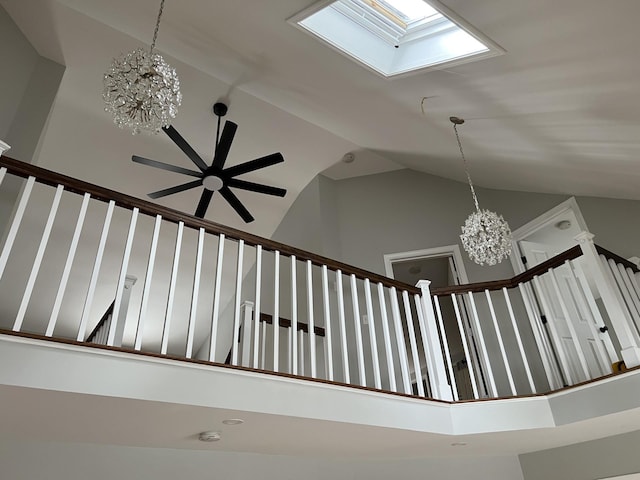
[(393, 37)]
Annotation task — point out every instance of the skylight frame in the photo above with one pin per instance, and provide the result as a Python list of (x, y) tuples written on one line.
[(449, 21)]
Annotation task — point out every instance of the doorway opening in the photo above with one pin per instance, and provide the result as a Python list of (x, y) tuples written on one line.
[(444, 267)]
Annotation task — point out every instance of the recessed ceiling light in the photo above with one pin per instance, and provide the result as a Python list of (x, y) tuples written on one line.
[(459, 444), (233, 421), (209, 436)]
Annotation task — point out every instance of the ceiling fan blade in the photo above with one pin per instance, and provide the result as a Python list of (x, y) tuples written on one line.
[(223, 147), (236, 204), (185, 147), (176, 189), (165, 166), (203, 204), (256, 164), (256, 187)]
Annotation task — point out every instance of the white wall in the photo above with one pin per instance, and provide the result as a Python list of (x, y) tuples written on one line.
[(607, 457)]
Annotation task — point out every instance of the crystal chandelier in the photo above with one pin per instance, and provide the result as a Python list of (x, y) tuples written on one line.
[(141, 90), (486, 236)]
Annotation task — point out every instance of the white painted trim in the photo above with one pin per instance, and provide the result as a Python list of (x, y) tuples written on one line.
[(435, 252), (541, 221)]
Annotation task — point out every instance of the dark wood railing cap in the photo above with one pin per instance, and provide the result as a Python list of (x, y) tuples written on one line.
[(48, 177)]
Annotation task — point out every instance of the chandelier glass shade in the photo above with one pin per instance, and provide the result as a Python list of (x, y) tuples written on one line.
[(141, 90), (486, 236)]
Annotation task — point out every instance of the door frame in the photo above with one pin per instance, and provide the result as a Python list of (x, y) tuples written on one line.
[(435, 252), (547, 218)]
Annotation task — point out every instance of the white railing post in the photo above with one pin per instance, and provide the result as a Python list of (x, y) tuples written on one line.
[(438, 377), (612, 299)]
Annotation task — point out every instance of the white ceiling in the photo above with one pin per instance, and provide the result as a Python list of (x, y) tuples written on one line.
[(556, 113)]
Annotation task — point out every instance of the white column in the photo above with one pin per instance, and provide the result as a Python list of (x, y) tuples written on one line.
[(612, 299), (438, 377)]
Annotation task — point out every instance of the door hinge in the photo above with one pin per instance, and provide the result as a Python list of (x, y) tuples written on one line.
[(524, 260), (544, 319), (604, 329)]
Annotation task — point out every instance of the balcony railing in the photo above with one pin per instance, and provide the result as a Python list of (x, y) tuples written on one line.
[(211, 293)]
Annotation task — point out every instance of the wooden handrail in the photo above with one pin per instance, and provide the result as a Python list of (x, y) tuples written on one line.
[(617, 258), (286, 323), (553, 262), (54, 179)]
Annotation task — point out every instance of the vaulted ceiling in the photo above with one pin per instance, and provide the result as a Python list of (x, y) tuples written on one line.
[(555, 113)]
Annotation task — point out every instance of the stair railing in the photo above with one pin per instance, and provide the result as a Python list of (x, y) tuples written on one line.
[(196, 279)]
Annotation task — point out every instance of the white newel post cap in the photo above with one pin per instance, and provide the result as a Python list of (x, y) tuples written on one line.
[(584, 237), (423, 284), (3, 147)]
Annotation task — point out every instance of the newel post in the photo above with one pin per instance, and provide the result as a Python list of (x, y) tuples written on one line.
[(438, 376), (614, 303)]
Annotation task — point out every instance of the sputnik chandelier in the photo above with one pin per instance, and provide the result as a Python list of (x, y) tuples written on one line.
[(141, 90), (486, 236)]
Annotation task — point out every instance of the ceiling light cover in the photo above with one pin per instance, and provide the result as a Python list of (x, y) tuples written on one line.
[(141, 90), (486, 236)]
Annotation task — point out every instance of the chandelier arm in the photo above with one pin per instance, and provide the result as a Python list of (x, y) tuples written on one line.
[(466, 168), (155, 31)]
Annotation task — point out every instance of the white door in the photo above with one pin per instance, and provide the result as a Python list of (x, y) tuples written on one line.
[(571, 326)]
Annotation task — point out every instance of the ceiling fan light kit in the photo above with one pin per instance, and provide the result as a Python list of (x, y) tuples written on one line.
[(486, 236), (214, 177), (141, 90)]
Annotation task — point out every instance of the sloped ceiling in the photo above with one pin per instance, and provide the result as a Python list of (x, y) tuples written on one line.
[(556, 113)]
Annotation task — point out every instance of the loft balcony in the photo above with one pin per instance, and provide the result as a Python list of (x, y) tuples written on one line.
[(111, 302)]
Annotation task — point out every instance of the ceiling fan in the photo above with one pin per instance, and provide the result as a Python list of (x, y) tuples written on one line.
[(214, 177)]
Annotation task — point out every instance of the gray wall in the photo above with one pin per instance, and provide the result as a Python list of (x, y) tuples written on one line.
[(607, 457), (360, 219), (29, 86)]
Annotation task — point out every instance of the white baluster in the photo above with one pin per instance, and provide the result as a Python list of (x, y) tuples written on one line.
[(574, 336), (327, 323), (35, 269), (358, 329), (312, 332), (386, 335), (67, 266), (263, 345), (172, 289), (440, 387), (628, 277), (503, 353), (372, 335), (147, 283), (564, 362), (613, 302), (483, 345), (425, 344), (626, 289), (3, 171), (94, 274), (343, 328), (540, 337), (293, 333), (237, 305), (276, 311), (445, 342), (402, 348), (516, 330), (465, 346), (15, 224), (597, 317), (601, 356), (256, 313), (247, 316), (300, 335), (412, 342), (194, 295), (215, 315)]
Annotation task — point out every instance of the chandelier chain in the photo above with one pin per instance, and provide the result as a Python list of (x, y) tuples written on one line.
[(466, 168), (155, 31)]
